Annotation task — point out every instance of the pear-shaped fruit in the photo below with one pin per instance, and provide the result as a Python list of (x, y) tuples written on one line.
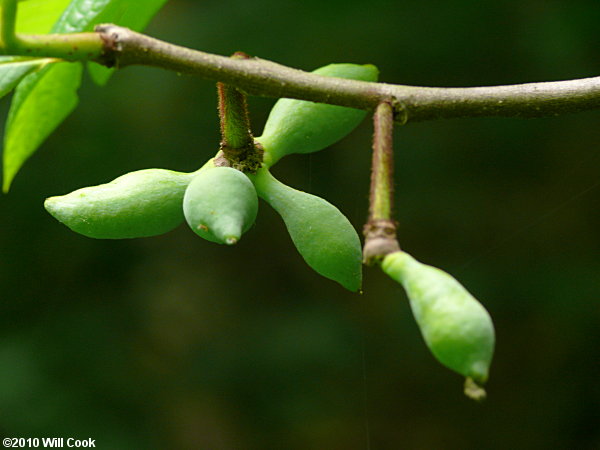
[(322, 234), (138, 204), (456, 327), (220, 204), (298, 126)]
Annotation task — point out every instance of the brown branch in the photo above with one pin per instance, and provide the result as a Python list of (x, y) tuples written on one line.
[(112, 45), (264, 78)]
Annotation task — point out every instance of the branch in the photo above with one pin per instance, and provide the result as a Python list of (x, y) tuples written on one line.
[(112, 45), (265, 78), (70, 47)]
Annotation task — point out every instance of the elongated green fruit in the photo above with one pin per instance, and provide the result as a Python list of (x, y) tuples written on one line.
[(138, 204), (322, 234), (456, 327), (298, 126), (220, 204)]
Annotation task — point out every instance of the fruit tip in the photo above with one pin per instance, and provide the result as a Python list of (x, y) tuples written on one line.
[(372, 67), (49, 204), (352, 286), (474, 391), (231, 240)]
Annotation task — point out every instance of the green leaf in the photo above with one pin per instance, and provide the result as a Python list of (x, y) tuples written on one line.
[(132, 14), (82, 15), (44, 99), (33, 17), (38, 16), (14, 69), (41, 102)]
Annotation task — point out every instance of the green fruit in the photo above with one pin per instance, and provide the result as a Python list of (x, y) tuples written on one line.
[(220, 204), (321, 233), (456, 327), (138, 204), (298, 126)]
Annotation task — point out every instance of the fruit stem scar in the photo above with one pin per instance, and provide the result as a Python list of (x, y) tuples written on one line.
[(380, 229), (400, 111)]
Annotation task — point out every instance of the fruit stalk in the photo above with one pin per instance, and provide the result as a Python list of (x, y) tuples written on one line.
[(380, 229), (237, 142)]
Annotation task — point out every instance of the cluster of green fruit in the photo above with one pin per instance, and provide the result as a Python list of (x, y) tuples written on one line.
[(221, 203)]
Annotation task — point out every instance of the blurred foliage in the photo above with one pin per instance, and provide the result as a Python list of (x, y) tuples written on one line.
[(174, 342)]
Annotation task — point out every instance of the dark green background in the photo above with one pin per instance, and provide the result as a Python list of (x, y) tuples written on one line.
[(174, 342)]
